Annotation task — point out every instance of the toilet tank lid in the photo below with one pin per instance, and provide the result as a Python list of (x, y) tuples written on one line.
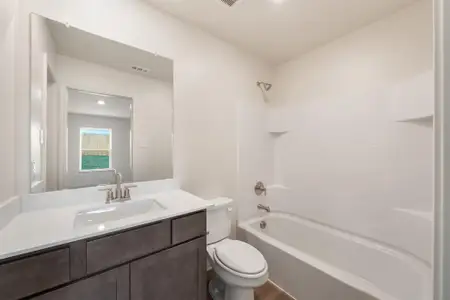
[(220, 203)]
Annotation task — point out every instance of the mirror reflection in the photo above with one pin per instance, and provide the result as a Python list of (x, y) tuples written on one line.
[(98, 126), (97, 107)]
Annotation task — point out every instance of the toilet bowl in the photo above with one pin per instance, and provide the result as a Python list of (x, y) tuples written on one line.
[(239, 265)]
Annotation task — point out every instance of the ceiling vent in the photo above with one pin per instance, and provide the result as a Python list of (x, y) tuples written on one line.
[(229, 2), (140, 69)]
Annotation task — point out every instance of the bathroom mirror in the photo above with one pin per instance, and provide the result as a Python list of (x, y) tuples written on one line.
[(96, 106)]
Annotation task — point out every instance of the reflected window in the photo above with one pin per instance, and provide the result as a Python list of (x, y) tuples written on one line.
[(95, 149)]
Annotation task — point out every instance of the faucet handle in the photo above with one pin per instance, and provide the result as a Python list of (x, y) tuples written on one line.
[(109, 194), (126, 191), (260, 188)]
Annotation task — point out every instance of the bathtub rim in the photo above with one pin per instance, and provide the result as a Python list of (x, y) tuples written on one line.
[(346, 277)]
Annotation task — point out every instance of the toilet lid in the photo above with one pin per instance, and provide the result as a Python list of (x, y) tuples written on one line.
[(241, 257)]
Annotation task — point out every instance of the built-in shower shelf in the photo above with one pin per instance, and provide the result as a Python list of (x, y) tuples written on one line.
[(424, 118), (278, 128), (278, 132), (413, 99)]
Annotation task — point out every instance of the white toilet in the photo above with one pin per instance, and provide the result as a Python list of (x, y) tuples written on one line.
[(240, 266)]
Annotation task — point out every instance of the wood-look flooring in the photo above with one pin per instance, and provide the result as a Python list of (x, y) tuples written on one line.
[(267, 292), (270, 292)]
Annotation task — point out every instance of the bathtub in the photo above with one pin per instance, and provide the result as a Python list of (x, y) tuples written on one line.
[(314, 261)]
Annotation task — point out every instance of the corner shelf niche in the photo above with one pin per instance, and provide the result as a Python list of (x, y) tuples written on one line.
[(276, 133), (425, 118), (413, 100)]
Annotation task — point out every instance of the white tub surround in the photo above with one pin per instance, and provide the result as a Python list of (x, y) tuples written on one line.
[(350, 266), (44, 225)]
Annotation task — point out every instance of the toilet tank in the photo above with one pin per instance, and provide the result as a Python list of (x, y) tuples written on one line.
[(219, 219)]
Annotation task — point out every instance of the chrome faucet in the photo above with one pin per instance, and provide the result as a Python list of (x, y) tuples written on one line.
[(121, 192), (264, 207), (118, 181)]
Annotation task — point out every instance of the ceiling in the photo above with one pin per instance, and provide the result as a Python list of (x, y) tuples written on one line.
[(86, 103), (85, 46), (279, 30)]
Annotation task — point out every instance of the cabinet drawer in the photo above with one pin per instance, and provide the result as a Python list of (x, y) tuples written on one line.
[(120, 248), (188, 227), (31, 275)]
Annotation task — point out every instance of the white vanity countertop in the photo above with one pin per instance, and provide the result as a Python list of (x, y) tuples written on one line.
[(36, 230)]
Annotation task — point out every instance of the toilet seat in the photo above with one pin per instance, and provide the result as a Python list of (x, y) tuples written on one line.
[(240, 259)]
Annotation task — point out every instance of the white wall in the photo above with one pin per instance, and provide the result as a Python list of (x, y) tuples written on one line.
[(347, 163), (120, 128), (7, 52), (152, 113), (8, 10), (211, 78)]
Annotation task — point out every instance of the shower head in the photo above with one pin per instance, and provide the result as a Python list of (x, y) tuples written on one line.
[(264, 85)]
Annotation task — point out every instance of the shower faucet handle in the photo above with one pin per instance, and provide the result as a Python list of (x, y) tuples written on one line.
[(260, 188)]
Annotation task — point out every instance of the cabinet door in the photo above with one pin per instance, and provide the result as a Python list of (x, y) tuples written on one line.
[(178, 273), (111, 285)]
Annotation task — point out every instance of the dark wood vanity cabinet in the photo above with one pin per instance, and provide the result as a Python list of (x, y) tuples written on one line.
[(176, 273), (160, 261), (23, 277)]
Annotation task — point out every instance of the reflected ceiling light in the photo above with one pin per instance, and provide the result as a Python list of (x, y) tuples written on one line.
[(101, 102), (278, 1)]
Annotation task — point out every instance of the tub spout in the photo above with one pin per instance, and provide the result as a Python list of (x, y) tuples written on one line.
[(264, 207)]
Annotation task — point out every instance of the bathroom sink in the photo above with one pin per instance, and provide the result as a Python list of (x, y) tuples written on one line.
[(116, 211)]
